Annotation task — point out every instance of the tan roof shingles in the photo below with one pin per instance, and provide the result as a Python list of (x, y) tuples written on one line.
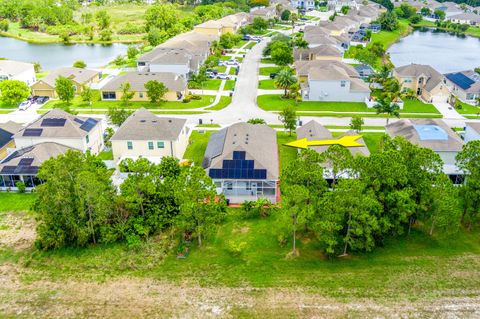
[(77, 75), (39, 152), (138, 80), (144, 125), (415, 70)]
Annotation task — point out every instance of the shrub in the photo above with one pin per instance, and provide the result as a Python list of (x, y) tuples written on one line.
[(4, 25), (195, 97), (21, 187), (187, 99), (236, 249), (79, 64), (131, 29)]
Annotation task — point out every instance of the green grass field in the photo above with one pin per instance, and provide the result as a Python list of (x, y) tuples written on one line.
[(106, 155), (269, 69), (229, 85), (387, 38), (79, 105), (468, 109), (267, 85), (16, 202), (223, 103), (416, 106), (196, 146)]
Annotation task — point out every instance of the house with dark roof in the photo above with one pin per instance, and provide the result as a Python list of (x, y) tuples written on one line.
[(57, 126), (7, 130), (176, 84), (243, 162), (465, 85), (146, 135), (434, 134), (79, 77), (422, 80), (179, 61), (472, 131), (466, 18), (23, 164)]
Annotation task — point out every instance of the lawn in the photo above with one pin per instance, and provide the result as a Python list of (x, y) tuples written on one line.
[(228, 57), (416, 106), (212, 84), (4, 105), (106, 155), (240, 44), (250, 45), (274, 102), (372, 140), (267, 85), (287, 154), (387, 38), (223, 103), (468, 109), (266, 61), (270, 69), (16, 201), (80, 106), (197, 146), (229, 85)]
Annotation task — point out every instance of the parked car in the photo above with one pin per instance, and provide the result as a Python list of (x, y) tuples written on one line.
[(223, 76), (273, 75), (42, 99), (220, 63), (231, 62), (24, 105), (246, 38), (212, 71)]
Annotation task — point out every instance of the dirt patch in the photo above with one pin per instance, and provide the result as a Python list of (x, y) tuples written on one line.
[(241, 230), (17, 230)]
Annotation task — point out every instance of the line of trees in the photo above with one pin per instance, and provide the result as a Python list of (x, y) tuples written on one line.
[(78, 205), (371, 199)]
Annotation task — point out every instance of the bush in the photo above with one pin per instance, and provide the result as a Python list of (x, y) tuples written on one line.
[(21, 187), (236, 249), (195, 97), (4, 25), (79, 64), (106, 35), (187, 99), (131, 29)]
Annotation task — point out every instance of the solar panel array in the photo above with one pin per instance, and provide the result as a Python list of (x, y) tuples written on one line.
[(461, 80), (26, 161), (79, 121), (88, 124), (32, 132), (238, 168), (53, 122)]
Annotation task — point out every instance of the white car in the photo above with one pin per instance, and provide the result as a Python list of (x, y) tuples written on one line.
[(24, 105), (223, 76), (232, 62)]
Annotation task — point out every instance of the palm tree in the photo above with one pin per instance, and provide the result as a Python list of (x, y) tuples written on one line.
[(284, 80), (294, 92), (381, 76), (385, 106)]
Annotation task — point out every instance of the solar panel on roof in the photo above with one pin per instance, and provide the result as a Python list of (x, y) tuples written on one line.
[(26, 161), (460, 79), (88, 124), (27, 170), (78, 120), (52, 122), (32, 132)]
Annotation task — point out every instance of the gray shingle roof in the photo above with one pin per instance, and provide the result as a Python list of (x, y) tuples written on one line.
[(7, 130), (406, 128), (474, 125), (258, 141), (144, 125), (75, 74), (138, 80), (303, 67), (13, 67), (415, 70)]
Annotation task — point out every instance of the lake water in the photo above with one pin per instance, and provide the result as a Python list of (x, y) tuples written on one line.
[(52, 56), (445, 52)]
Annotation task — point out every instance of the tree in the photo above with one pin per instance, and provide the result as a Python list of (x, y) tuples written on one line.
[(294, 92), (4, 24), (406, 11), (79, 64), (338, 162), (65, 89), (256, 121), (103, 19), (386, 106), (378, 49), (118, 115), (259, 24), (155, 36), (164, 17), (284, 80), (425, 11), (388, 21), (155, 90), (14, 91), (37, 67), (281, 53), (356, 123), (440, 14), (132, 52), (288, 116), (468, 160), (285, 15), (87, 94), (75, 201), (344, 10), (106, 35), (127, 94), (198, 211)]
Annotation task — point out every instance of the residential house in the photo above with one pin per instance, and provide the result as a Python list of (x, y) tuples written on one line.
[(450, 8), (314, 131), (243, 162), (433, 134), (423, 80), (7, 143), (472, 131), (333, 83), (211, 27), (14, 70), (146, 135), (466, 18), (182, 62), (232, 23), (302, 68), (322, 52), (336, 5), (23, 165), (176, 84), (364, 70), (303, 4), (465, 85), (58, 126), (335, 28), (264, 13), (79, 78)]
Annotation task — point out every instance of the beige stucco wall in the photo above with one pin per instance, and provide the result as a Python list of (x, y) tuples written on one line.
[(211, 31), (327, 57), (43, 89), (3, 150), (142, 96), (140, 148)]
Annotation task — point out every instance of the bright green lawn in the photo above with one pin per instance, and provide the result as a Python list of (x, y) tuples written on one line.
[(223, 103), (229, 85), (270, 69), (250, 45), (372, 140), (106, 155), (197, 146), (387, 38), (240, 44), (467, 109), (16, 202), (267, 85), (274, 102), (416, 106), (4, 105), (212, 84), (79, 105)]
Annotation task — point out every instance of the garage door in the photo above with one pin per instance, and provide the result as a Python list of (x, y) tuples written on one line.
[(440, 98), (48, 93)]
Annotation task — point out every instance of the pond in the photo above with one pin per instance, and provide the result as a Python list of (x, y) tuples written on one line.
[(55, 55), (444, 51)]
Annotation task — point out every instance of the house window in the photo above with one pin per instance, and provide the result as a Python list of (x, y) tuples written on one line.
[(109, 96), (160, 144), (140, 94), (87, 139), (150, 145), (343, 83), (408, 80), (130, 145)]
